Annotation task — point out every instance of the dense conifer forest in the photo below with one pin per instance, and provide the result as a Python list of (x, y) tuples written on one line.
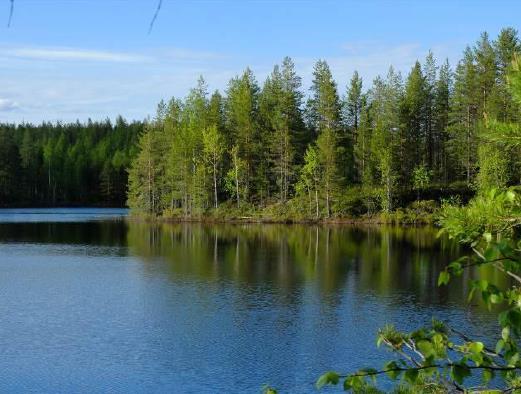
[(278, 151), (55, 164), (337, 151)]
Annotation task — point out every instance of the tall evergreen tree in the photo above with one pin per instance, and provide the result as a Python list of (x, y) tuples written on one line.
[(465, 104), (441, 121), (353, 108), (415, 141), (242, 123), (326, 112)]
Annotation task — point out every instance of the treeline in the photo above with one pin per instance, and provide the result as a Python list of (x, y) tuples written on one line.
[(338, 152), (66, 164)]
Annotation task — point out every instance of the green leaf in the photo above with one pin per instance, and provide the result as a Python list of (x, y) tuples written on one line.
[(476, 347), (490, 254), (500, 345), (487, 376), (513, 359), (505, 333), (487, 237), (327, 378), (455, 268), (353, 382), (368, 371), (425, 347), (411, 375), (391, 367), (496, 298), (459, 372), (482, 284), (444, 278)]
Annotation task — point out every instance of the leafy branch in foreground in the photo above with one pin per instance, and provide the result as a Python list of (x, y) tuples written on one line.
[(439, 358)]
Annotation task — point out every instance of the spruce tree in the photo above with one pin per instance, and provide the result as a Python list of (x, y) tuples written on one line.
[(326, 112)]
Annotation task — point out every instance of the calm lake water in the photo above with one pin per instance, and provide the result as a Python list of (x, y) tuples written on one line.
[(91, 303)]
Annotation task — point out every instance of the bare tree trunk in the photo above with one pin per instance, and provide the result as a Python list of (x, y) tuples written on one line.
[(468, 145), (327, 199), (316, 201), (215, 182), (237, 183), (150, 197)]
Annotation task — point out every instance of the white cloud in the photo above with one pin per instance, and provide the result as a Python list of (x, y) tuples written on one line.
[(373, 58), (72, 54), (65, 83), (190, 55), (8, 105)]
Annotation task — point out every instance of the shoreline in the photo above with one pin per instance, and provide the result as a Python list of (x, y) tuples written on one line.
[(376, 220)]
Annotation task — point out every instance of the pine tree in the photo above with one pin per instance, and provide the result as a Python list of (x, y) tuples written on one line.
[(326, 112), (441, 121), (432, 134), (505, 47), (386, 97), (144, 193), (486, 75), (353, 108), (241, 118), (414, 146), (465, 104), (280, 113)]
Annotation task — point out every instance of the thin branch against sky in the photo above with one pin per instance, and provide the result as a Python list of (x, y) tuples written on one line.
[(156, 13), (154, 17), (11, 9)]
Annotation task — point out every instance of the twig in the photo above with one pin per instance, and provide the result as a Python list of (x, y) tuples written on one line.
[(487, 350), (10, 14), (501, 267), (154, 17), (399, 369)]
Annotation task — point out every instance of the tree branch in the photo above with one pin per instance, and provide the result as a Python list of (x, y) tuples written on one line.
[(447, 365), (160, 2), (11, 9)]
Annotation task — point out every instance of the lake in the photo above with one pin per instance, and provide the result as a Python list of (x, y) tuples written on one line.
[(93, 303)]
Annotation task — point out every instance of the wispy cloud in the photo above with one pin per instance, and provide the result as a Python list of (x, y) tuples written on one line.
[(163, 55), (8, 105), (69, 83), (73, 54), (191, 55), (373, 58)]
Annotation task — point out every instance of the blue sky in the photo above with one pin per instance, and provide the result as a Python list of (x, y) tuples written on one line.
[(75, 59)]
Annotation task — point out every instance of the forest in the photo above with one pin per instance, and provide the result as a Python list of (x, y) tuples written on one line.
[(279, 152), (274, 151), (55, 164)]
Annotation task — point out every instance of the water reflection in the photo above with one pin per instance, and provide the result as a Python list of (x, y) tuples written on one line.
[(116, 306), (382, 261)]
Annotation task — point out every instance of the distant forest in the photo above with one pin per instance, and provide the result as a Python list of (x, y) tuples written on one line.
[(335, 151), (330, 152), (55, 164)]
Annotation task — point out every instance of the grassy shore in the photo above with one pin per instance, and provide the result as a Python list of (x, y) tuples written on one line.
[(418, 213)]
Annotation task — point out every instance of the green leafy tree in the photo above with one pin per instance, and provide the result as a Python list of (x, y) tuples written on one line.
[(421, 178), (144, 194), (213, 147), (440, 358), (309, 180)]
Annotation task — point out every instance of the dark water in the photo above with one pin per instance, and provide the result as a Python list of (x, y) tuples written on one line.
[(90, 303)]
